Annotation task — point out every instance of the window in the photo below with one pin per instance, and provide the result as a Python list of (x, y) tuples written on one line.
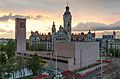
[(24, 54), (74, 61)]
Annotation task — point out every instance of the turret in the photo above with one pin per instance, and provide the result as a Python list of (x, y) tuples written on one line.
[(53, 28), (114, 35)]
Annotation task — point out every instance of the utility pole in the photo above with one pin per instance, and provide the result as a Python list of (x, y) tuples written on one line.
[(80, 59), (51, 58), (56, 65), (101, 64)]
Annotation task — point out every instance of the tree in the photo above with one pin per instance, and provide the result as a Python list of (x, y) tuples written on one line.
[(3, 59), (27, 45), (10, 48), (41, 47), (114, 51), (1, 72), (38, 47), (35, 63), (32, 47)]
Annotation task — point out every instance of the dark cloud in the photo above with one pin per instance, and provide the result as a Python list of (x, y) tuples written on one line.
[(94, 26), (10, 16)]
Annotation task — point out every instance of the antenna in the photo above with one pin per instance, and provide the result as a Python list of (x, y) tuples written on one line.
[(67, 3)]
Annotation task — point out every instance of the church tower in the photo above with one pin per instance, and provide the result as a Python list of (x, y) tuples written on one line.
[(67, 19), (53, 35), (53, 28)]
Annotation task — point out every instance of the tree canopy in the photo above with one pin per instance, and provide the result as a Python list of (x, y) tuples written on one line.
[(35, 63)]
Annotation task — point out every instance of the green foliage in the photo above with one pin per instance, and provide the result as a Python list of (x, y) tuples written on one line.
[(6, 53), (27, 45), (14, 64), (1, 72), (41, 47), (114, 51), (35, 63), (38, 47), (32, 48), (9, 49), (3, 59)]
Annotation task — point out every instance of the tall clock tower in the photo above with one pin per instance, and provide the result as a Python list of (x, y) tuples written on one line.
[(67, 19)]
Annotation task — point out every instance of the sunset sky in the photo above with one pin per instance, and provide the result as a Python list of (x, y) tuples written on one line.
[(96, 15)]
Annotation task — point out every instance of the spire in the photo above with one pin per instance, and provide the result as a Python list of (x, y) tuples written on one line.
[(53, 23), (67, 12), (67, 7), (89, 32), (53, 27), (67, 3)]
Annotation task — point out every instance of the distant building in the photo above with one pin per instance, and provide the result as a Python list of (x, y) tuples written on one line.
[(36, 39), (107, 42), (62, 35)]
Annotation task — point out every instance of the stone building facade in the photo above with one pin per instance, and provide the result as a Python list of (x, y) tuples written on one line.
[(63, 34)]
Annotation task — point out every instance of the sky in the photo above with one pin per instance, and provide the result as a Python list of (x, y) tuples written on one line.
[(101, 16)]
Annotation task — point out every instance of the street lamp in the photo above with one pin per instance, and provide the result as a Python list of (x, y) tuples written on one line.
[(101, 63), (80, 59), (56, 64)]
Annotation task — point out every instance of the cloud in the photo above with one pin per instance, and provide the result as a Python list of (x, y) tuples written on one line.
[(37, 17), (6, 31), (10, 16), (116, 13), (2, 30), (95, 26)]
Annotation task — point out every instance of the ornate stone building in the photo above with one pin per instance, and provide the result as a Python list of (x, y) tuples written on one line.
[(63, 34)]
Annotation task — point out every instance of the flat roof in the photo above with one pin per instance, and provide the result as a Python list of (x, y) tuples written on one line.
[(47, 54)]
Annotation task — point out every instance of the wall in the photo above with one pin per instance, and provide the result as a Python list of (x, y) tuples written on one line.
[(65, 49), (85, 53), (20, 34)]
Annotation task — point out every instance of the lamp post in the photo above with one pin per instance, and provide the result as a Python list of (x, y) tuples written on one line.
[(101, 64), (51, 58), (118, 53), (80, 59), (56, 65)]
